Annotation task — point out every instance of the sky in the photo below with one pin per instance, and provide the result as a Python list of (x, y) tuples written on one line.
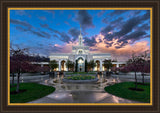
[(118, 32)]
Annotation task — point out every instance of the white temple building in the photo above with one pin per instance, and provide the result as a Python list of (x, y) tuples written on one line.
[(79, 54)]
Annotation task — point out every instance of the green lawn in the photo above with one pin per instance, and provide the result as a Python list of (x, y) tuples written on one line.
[(121, 90), (33, 91)]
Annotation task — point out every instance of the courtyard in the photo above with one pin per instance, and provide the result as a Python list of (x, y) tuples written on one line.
[(81, 92)]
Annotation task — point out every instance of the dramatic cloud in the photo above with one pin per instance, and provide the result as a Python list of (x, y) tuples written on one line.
[(119, 32), (129, 30), (47, 27), (105, 30), (143, 27), (74, 33), (62, 36), (113, 15), (122, 54), (105, 20), (66, 48), (117, 12), (55, 47), (84, 19), (44, 25), (55, 36), (28, 27), (117, 23), (21, 28), (40, 34), (90, 41), (100, 46), (133, 36), (128, 26), (146, 16), (19, 22)]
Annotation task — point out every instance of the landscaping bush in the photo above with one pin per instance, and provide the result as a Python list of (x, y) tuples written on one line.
[(80, 77)]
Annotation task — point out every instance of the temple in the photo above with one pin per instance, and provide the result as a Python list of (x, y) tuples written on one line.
[(80, 54)]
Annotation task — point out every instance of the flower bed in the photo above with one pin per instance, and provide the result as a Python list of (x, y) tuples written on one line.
[(80, 77)]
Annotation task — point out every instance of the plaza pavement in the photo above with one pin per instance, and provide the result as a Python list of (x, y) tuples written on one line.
[(81, 97), (78, 93)]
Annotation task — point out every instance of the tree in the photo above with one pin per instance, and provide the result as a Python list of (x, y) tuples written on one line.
[(91, 65), (76, 66), (115, 69), (145, 69), (53, 64), (86, 65), (114, 60), (134, 64), (107, 64), (145, 65), (19, 62), (124, 69), (70, 65), (12, 70), (43, 69)]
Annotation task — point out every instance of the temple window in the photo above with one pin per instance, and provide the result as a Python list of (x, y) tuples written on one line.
[(80, 52)]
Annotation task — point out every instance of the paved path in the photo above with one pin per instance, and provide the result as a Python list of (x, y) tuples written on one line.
[(125, 78), (81, 97), (80, 93), (36, 79), (77, 93)]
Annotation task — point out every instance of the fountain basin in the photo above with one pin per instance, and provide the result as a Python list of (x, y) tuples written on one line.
[(80, 81)]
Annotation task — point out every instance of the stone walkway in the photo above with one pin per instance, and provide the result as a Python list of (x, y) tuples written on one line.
[(80, 93), (77, 93), (81, 97)]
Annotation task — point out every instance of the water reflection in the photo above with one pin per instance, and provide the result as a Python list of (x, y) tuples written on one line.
[(102, 82), (83, 92)]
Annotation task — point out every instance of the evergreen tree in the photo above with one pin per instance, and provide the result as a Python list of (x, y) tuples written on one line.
[(107, 64), (53, 64), (91, 65), (70, 65), (86, 63), (76, 66)]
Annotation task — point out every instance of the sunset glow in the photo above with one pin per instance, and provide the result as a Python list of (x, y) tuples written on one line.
[(119, 32)]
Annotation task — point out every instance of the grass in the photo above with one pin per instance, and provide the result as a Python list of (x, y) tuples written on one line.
[(33, 91), (79, 77), (121, 90)]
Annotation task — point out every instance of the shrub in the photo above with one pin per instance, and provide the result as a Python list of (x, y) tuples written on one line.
[(80, 77)]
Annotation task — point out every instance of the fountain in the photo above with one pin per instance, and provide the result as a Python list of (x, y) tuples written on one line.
[(63, 84), (80, 79)]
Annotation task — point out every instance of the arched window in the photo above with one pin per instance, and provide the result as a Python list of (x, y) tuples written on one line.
[(80, 52)]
